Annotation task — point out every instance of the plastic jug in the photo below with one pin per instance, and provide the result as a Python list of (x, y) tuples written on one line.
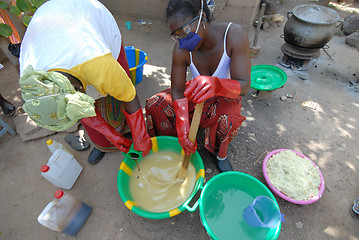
[(64, 214), (53, 146), (62, 169), (263, 212)]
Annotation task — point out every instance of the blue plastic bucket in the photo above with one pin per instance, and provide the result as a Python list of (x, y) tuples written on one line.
[(136, 58)]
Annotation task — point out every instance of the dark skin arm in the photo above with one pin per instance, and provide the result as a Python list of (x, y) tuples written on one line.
[(180, 61), (240, 68), (130, 107), (133, 105)]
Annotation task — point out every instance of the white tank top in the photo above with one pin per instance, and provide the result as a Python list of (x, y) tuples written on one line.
[(223, 68)]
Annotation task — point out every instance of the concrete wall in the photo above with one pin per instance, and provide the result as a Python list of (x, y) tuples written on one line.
[(239, 11)]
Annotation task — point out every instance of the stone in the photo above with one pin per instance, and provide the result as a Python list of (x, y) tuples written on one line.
[(265, 25), (351, 24), (277, 18), (353, 40), (302, 77), (254, 51), (299, 225), (283, 98), (289, 95), (271, 6)]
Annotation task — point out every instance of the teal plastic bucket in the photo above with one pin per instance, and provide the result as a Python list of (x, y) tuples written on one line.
[(136, 58), (161, 143), (222, 202)]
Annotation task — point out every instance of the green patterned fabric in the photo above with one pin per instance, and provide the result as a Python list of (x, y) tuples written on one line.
[(51, 101)]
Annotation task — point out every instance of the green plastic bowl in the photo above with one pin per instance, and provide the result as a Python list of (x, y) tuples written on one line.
[(162, 143), (267, 77), (221, 205)]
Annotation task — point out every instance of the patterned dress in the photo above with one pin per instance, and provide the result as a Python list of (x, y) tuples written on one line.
[(221, 119)]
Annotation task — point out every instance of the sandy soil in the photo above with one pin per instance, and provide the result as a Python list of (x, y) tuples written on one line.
[(321, 121)]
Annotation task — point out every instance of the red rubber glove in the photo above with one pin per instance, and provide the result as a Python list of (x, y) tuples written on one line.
[(141, 140), (98, 123), (202, 88), (182, 126)]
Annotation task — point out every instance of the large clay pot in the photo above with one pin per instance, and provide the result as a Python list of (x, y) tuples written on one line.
[(310, 26)]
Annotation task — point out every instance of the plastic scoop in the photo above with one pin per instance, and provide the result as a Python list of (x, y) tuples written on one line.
[(134, 155), (263, 212)]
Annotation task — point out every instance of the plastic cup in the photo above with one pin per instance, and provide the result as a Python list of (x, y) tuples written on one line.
[(128, 25), (263, 212)]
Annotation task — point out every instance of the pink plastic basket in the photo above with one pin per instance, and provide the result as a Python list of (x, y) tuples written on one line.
[(280, 194)]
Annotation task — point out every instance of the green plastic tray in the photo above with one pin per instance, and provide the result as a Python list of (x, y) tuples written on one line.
[(267, 77)]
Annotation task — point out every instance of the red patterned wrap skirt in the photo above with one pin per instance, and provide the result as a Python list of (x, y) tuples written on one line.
[(221, 119)]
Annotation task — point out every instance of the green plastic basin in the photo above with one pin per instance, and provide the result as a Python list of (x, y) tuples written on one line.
[(161, 143), (221, 205)]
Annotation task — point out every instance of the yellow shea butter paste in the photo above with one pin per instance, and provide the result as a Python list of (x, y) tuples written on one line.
[(155, 187)]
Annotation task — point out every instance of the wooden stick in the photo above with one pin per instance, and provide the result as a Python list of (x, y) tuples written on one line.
[(182, 173), (261, 14)]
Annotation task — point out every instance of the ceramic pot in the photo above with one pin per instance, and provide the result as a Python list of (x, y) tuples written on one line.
[(310, 26)]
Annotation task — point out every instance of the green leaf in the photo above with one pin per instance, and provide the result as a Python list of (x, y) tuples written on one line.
[(15, 10), (33, 9), (23, 5), (4, 5), (5, 30), (26, 20), (37, 3)]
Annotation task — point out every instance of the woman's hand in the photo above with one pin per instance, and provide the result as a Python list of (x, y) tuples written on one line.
[(99, 124), (141, 140), (182, 126), (202, 88)]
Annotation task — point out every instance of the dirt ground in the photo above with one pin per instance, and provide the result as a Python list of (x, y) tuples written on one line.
[(321, 121)]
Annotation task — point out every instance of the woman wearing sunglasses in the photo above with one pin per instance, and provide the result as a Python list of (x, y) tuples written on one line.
[(219, 60)]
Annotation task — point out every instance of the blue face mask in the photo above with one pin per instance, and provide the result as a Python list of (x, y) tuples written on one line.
[(190, 42)]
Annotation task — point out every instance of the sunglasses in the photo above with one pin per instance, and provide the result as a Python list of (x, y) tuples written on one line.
[(183, 31)]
